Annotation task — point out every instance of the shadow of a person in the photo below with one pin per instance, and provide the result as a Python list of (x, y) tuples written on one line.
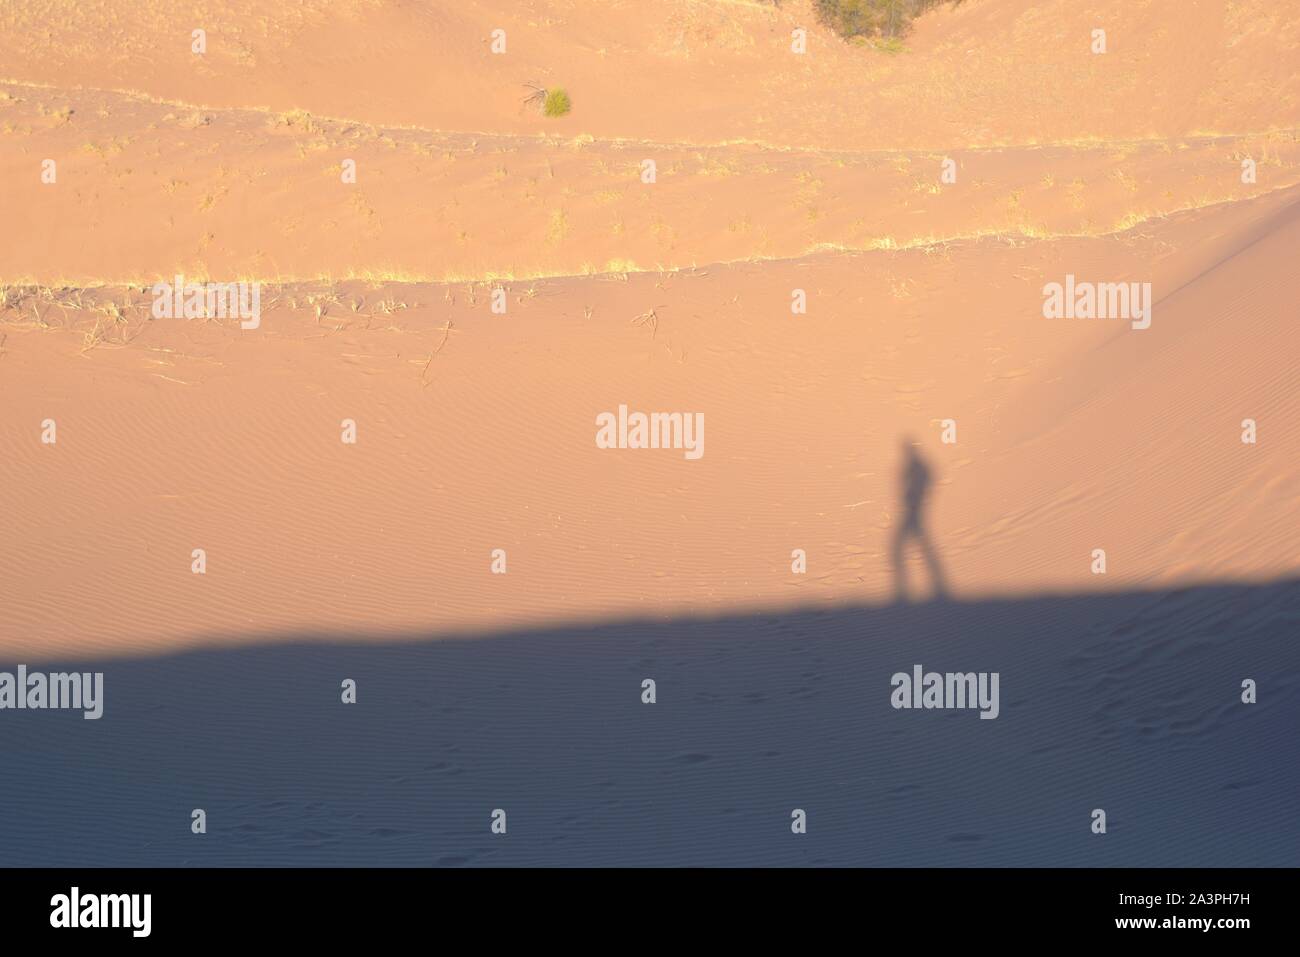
[(915, 480)]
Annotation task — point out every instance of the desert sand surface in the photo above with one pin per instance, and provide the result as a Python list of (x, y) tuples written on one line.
[(475, 430), (1111, 700)]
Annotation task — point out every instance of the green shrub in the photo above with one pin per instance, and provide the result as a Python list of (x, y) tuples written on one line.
[(869, 18), (849, 18), (556, 103)]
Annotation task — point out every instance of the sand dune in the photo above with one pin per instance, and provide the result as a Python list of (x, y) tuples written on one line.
[(247, 193), (994, 73), (476, 431)]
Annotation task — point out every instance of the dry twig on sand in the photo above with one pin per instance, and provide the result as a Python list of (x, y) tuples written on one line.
[(537, 97), (446, 333), (650, 319)]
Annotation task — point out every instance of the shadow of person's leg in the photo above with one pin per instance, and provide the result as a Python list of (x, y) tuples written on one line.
[(931, 556), (898, 558)]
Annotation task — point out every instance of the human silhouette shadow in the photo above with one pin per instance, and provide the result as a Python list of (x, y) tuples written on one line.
[(915, 479)]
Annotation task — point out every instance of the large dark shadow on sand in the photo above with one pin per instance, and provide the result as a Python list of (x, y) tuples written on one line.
[(1129, 702)]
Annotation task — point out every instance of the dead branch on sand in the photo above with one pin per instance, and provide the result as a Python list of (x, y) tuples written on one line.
[(446, 333)]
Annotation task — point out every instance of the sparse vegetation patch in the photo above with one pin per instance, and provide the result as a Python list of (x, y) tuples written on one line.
[(873, 18), (554, 102)]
